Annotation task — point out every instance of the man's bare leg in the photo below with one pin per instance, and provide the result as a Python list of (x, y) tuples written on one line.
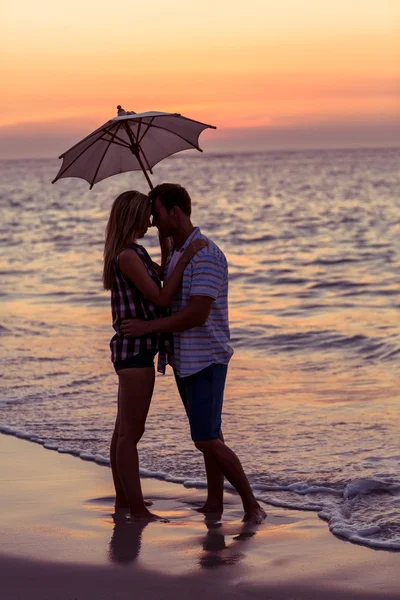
[(215, 485), (230, 466)]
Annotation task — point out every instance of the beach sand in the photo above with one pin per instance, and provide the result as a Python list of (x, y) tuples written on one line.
[(59, 542)]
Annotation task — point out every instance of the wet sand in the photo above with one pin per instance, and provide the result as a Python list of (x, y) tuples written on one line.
[(60, 542)]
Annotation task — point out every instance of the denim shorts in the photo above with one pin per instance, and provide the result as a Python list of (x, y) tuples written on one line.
[(138, 361), (202, 396)]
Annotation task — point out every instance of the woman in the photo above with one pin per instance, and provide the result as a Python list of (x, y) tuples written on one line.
[(134, 281)]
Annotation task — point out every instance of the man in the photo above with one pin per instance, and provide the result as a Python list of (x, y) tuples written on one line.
[(199, 322)]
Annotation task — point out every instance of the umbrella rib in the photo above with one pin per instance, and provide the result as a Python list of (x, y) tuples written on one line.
[(120, 139), (62, 171), (138, 131), (87, 137), (148, 125), (119, 143), (179, 116), (173, 133), (145, 158), (102, 158)]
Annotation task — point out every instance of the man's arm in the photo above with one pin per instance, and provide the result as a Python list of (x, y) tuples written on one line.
[(194, 314)]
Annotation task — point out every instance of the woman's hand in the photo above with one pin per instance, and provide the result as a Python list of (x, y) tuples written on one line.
[(165, 244), (192, 249)]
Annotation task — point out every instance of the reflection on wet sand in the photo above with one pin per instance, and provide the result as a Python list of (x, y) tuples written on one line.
[(127, 540), (216, 552)]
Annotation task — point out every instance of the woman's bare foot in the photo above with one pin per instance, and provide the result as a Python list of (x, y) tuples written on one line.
[(255, 515), (146, 515), (208, 508), (121, 506)]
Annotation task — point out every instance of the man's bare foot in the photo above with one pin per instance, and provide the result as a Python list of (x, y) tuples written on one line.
[(146, 515), (255, 515)]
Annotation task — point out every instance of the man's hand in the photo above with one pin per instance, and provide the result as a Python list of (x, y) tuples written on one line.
[(194, 314), (135, 327)]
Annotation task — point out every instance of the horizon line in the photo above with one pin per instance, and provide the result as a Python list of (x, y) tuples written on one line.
[(185, 153)]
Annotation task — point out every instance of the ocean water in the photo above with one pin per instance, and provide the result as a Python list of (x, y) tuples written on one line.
[(312, 398)]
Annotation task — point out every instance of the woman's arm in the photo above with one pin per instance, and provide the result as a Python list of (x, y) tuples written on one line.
[(133, 268)]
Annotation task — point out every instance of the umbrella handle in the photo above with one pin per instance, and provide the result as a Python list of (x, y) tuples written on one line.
[(143, 169)]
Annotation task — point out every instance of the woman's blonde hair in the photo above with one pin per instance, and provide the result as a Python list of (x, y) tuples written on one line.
[(129, 219)]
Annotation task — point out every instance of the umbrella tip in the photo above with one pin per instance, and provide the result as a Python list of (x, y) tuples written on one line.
[(123, 113)]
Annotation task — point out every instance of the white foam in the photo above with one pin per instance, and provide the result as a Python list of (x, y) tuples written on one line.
[(366, 486), (101, 460), (36, 440), (7, 429), (86, 456), (173, 479), (195, 483)]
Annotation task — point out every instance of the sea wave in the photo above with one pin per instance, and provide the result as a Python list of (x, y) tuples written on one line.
[(368, 348)]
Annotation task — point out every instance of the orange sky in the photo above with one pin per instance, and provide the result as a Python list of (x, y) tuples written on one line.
[(280, 65)]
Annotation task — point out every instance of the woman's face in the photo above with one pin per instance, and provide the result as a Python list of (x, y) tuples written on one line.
[(143, 233)]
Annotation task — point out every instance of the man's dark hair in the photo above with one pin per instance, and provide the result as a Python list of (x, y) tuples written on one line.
[(172, 194)]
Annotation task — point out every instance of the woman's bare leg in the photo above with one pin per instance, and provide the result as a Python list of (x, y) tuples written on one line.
[(134, 397), (121, 501)]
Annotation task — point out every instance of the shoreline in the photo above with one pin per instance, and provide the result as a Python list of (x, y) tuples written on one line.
[(328, 517), (60, 541)]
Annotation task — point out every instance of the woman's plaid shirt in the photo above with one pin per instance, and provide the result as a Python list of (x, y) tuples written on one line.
[(127, 302)]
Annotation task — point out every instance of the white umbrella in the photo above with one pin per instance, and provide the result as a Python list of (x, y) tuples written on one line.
[(130, 142)]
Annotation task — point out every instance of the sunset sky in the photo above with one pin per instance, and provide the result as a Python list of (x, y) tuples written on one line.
[(287, 73)]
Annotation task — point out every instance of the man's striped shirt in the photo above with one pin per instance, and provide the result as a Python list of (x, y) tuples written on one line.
[(205, 275)]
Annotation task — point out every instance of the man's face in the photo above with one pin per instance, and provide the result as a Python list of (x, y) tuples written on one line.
[(162, 219)]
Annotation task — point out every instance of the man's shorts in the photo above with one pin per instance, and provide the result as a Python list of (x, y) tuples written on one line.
[(202, 396)]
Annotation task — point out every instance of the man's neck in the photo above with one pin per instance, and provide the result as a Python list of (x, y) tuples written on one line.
[(182, 235)]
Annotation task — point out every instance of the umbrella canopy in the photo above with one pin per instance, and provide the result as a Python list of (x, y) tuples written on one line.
[(130, 142)]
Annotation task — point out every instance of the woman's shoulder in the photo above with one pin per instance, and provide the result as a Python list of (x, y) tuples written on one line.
[(134, 255), (133, 249), (129, 256), (142, 252), (127, 253)]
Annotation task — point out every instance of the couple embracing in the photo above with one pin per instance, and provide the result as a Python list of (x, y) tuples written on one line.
[(185, 319)]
